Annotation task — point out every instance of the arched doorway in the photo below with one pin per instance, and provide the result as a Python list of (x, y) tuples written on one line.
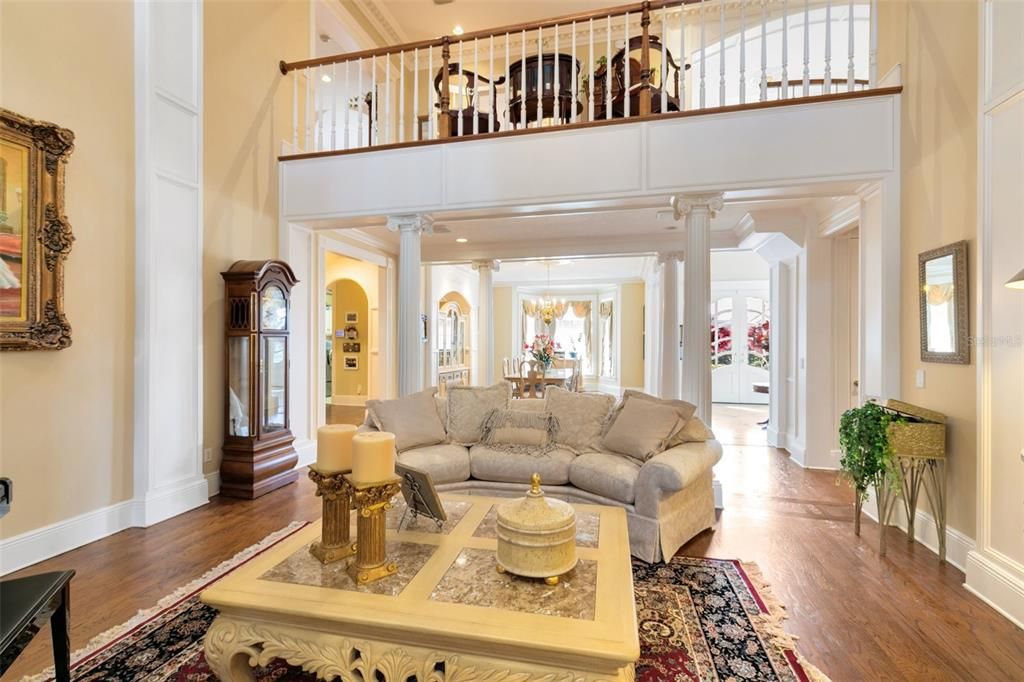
[(347, 348), (453, 342)]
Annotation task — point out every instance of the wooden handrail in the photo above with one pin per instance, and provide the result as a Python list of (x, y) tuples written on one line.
[(644, 7)]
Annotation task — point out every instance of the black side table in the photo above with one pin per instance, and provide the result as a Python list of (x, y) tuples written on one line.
[(25, 606)]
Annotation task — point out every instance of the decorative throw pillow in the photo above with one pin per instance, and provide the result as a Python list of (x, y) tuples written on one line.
[(684, 409), (520, 431), (695, 431), (469, 407), (581, 418), (413, 419), (641, 429)]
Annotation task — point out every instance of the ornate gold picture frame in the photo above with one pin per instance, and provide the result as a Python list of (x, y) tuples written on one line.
[(35, 236), (942, 287)]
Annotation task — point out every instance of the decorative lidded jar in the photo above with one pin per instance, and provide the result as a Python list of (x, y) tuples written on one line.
[(536, 536)]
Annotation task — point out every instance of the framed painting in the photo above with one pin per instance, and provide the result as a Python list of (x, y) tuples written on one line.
[(35, 236)]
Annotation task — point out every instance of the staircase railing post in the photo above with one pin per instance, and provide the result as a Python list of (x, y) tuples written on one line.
[(445, 121), (645, 59)]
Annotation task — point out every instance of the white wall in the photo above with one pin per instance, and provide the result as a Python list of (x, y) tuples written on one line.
[(738, 266)]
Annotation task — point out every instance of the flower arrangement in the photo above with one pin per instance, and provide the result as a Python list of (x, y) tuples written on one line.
[(542, 349)]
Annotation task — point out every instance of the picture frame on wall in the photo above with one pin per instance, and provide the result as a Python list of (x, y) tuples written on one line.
[(35, 235), (350, 347), (351, 363), (352, 318)]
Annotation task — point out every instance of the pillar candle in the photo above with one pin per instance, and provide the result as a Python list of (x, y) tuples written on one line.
[(373, 457), (334, 448)]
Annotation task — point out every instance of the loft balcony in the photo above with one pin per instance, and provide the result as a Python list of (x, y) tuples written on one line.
[(628, 102)]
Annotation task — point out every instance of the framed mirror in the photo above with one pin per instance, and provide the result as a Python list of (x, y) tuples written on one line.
[(942, 280)]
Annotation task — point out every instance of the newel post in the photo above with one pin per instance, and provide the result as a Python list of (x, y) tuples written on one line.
[(645, 59), (445, 122)]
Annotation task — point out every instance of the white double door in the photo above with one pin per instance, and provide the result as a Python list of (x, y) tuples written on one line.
[(740, 321)]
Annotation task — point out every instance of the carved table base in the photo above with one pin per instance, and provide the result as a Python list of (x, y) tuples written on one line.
[(234, 645)]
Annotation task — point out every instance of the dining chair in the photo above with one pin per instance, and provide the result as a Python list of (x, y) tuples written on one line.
[(533, 385)]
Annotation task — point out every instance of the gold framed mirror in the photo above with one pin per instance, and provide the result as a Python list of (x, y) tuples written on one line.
[(942, 286)]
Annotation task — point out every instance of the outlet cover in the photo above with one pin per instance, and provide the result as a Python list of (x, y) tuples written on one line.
[(919, 378), (207, 455)]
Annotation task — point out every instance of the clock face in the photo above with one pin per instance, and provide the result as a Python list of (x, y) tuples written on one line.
[(274, 308)]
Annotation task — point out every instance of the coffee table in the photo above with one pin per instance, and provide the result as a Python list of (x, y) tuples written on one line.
[(446, 616)]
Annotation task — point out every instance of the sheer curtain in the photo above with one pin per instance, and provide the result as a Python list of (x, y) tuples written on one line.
[(571, 328)]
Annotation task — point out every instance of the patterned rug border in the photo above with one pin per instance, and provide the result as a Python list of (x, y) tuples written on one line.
[(113, 635)]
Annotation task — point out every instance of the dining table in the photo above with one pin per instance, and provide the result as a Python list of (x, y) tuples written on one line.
[(553, 377)]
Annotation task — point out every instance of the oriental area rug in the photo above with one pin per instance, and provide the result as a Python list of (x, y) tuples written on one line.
[(699, 620)]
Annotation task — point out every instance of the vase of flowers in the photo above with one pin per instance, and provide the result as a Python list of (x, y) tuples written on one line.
[(542, 350)]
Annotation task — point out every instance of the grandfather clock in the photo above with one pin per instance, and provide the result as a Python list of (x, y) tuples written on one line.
[(258, 452)]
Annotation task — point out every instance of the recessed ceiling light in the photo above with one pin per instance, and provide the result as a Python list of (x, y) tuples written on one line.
[(325, 78), (461, 240), (457, 30)]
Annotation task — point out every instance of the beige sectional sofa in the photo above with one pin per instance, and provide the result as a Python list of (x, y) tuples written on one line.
[(668, 498)]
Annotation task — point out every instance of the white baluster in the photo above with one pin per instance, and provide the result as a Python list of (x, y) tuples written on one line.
[(873, 47), (663, 84), (540, 77), (827, 88), (431, 117), (373, 136), (388, 135), (401, 96), (309, 111), (850, 71), (359, 103), (784, 89), (334, 106), (295, 111), (416, 94), (721, 53), (626, 69), (491, 87), (522, 90), (462, 88), (608, 71), (764, 51), (575, 79), (556, 94), (703, 55), (807, 47), (318, 120), (682, 56), (475, 103), (348, 93), (590, 78), (508, 81), (743, 51)]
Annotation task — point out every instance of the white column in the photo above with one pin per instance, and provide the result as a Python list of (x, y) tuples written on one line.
[(485, 309), (410, 349), (697, 210), (669, 383)]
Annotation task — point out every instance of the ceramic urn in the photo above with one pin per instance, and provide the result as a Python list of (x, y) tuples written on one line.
[(536, 536)]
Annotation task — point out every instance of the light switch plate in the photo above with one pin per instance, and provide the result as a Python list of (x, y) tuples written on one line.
[(919, 378)]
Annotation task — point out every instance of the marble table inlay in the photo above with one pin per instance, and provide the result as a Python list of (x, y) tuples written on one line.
[(588, 527), (473, 580), (453, 508), (302, 568)]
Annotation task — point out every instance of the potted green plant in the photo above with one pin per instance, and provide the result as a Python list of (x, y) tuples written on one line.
[(867, 460)]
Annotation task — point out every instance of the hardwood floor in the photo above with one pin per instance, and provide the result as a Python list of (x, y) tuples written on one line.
[(858, 616)]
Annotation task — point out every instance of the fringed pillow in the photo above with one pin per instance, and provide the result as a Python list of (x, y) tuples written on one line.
[(530, 433), (469, 407), (581, 418)]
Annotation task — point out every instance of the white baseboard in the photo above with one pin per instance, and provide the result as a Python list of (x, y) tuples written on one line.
[(796, 451), (43, 543), (994, 584), (306, 449), (958, 545), (348, 400), (163, 503), (213, 483), (716, 488)]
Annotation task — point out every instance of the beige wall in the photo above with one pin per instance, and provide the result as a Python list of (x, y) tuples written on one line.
[(503, 298), (349, 297), (937, 44), (247, 114), (631, 319), (66, 416)]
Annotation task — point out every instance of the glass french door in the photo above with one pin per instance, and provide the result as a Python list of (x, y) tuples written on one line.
[(740, 322)]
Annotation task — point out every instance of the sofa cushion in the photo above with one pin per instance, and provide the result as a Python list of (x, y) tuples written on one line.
[(446, 463), (642, 429), (488, 464), (469, 407), (684, 408), (413, 419), (605, 474), (695, 431), (581, 418), (518, 430)]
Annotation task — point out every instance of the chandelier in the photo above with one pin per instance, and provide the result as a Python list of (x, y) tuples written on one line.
[(547, 306)]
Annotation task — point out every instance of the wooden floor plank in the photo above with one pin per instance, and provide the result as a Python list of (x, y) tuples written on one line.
[(858, 616)]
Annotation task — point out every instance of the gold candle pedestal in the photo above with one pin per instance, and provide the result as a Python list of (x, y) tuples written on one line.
[(335, 542), (372, 501)]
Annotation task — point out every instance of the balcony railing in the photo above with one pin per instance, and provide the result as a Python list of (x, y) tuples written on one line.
[(634, 61)]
